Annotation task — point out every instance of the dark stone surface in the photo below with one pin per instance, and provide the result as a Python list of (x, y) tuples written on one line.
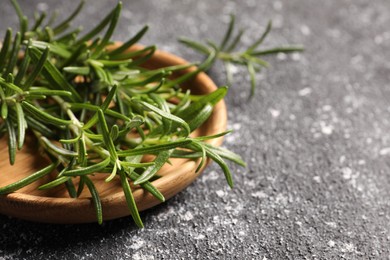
[(316, 137)]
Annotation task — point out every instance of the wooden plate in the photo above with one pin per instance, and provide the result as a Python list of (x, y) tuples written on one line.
[(55, 205)]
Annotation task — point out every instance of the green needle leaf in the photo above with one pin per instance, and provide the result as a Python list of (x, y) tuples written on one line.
[(4, 49), (14, 55), (200, 117), (23, 67), (276, 50), (130, 200), (159, 162), (195, 45), (130, 42), (113, 173), (38, 21), (22, 125), (203, 158), (235, 41), (228, 33), (155, 148), (88, 169), (40, 127), (216, 158), (114, 20), (261, 39), (28, 180), (11, 142), (95, 198), (4, 106), (103, 108), (208, 137), (48, 92), (136, 164), (22, 18), (82, 151), (43, 116), (252, 75), (186, 154), (96, 108), (54, 48), (114, 133), (97, 29), (64, 25), (81, 186), (34, 74), (71, 188), (54, 183), (196, 107), (166, 115), (148, 186), (203, 67), (9, 86), (224, 153), (106, 137), (53, 76), (78, 70), (57, 149)]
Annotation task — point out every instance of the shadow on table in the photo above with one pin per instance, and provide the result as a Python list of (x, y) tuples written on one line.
[(20, 236)]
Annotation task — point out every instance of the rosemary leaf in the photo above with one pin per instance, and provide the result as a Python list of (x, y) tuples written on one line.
[(155, 148), (114, 20), (53, 76), (29, 179), (21, 123), (14, 55), (41, 45), (261, 39), (148, 186), (71, 188), (34, 74), (64, 25), (228, 33), (4, 106), (130, 200), (38, 21), (54, 183), (12, 143), (95, 198), (103, 108), (106, 137), (23, 67), (4, 49), (195, 45), (125, 46), (159, 162), (97, 29), (166, 115), (96, 167), (58, 150), (43, 116)]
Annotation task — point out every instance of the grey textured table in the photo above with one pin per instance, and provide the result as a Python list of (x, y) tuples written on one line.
[(316, 137)]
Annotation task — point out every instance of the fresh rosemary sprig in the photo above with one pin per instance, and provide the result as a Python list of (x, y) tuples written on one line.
[(95, 110), (227, 52)]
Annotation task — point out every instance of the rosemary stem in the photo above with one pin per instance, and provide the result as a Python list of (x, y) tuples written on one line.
[(76, 128)]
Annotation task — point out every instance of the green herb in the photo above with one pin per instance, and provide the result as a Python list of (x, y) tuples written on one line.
[(81, 99), (227, 52)]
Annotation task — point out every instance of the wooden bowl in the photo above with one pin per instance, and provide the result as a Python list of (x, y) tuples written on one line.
[(55, 205)]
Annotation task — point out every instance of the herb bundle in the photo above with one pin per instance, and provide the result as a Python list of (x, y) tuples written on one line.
[(95, 110)]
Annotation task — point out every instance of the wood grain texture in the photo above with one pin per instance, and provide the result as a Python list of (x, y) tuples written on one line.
[(55, 205)]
